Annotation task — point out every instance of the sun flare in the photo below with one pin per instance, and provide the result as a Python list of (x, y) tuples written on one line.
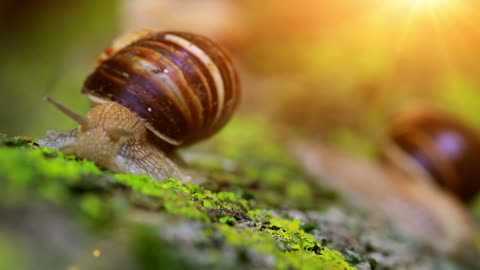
[(432, 24), (429, 2), (424, 5)]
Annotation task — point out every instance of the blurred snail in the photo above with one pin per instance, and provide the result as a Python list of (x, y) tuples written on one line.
[(438, 146), (402, 189), (152, 92)]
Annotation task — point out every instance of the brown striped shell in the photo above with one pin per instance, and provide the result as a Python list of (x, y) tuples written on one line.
[(183, 86), (443, 146)]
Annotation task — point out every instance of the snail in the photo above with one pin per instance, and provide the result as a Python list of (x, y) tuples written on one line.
[(152, 93), (428, 142), (423, 212), (393, 190)]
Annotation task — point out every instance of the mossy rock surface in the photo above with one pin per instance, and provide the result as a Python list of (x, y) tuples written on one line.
[(254, 210)]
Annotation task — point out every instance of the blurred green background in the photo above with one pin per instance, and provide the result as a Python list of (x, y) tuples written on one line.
[(47, 48), (340, 69)]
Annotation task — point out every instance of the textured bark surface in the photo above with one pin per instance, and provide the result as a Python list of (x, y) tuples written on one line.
[(252, 207)]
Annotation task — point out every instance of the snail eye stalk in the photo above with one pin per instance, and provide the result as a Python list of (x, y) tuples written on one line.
[(83, 121)]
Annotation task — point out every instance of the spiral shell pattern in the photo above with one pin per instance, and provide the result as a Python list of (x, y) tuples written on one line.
[(183, 86)]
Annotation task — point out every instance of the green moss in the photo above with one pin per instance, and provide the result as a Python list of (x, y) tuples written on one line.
[(42, 171), (14, 141), (262, 242), (102, 200), (291, 234), (237, 217), (227, 220)]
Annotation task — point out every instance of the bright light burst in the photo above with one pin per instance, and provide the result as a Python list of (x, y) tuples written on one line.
[(415, 13), (430, 2), (424, 5), (431, 24), (436, 4)]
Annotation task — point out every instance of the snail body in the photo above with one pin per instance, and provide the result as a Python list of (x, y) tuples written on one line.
[(153, 92)]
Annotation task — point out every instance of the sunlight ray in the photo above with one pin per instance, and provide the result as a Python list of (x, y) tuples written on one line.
[(440, 36)]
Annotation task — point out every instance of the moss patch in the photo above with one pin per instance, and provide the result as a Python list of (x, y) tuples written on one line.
[(102, 201), (255, 210)]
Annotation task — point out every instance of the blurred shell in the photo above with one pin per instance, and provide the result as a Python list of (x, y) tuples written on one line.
[(419, 210), (446, 148)]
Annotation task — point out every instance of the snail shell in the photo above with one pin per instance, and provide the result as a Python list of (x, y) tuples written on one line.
[(182, 86), (447, 149), (176, 87)]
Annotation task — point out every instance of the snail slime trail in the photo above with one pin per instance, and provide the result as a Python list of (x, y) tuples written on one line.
[(177, 87)]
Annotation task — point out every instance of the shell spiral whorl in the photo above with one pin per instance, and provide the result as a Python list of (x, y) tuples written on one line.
[(183, 86)]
